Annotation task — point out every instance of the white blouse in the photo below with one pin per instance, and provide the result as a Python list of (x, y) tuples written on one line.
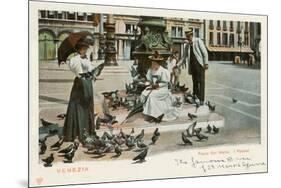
[(78, 65), (161, 75)]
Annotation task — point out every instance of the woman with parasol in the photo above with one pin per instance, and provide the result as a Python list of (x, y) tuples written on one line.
[(157, 98), (80, 110)]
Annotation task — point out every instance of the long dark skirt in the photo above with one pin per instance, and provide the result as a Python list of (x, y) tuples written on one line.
[(80, 110)]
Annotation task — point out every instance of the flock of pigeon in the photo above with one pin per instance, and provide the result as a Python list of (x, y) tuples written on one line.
[(99, 146)]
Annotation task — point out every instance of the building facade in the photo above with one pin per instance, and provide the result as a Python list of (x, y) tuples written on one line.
[(55, 26), (227, 39)]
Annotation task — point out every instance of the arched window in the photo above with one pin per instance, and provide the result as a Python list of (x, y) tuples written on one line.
[(46, 45)]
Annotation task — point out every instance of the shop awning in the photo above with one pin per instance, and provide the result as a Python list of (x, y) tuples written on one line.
[(230, 49)]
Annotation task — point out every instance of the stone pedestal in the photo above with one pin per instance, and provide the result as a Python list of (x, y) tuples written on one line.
[(153, 37)]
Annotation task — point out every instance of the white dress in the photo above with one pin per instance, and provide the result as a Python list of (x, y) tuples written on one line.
[(159, 101), (79, 65)]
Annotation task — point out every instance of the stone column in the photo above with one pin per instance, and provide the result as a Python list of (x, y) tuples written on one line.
[(120, 51), (101, 39), (110, 50)]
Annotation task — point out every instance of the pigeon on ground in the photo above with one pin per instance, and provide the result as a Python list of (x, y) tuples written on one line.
[(234, 100), (118, 150), (215, 129), (140, 136), (141, 145), (58, 144), (74, 145), (159, 119), (69, 156), (130, 143), (155, 136), (43, 148), (209, 129), (197, 130), (191, 129), (61, 116), (185, 140), (191, 116), (201, 137), (212, 108), (46, 123), (141, 157), (48, 161)]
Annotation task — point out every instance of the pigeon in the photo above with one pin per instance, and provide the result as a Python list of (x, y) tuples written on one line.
[(191, 116), (118, 150), (197, 131), (159, 119), (53, 131), (209, 129), (155, 136), (183, 88), (201, 137), (43, 148), (119, 141), (141, 157), (61, 116), (141, 145), (185, 140), (178, 102), (132, 132), (46, 123), (58, 144), (234, 100), (48, 161), (190, 130), (69, 156), (212, 108), (140, 136), (215, 129), (74, 145), (129, 142)]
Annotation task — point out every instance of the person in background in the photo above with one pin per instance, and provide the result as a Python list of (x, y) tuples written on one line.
[(196, 56)]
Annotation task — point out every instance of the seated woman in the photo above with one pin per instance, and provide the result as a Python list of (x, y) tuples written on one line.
[(80, 110), (157, 99)]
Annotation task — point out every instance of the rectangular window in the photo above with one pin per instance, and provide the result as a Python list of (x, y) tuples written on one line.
[(218, 25), (219, 39), (211, 40), (231, 40), (231, 25), (180, 34), (224, 26), (196, 31), (174, 32), (224, 39), (211, 25)]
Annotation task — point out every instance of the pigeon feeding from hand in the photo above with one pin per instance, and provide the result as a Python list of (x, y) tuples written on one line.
[(185, 139), (191, 116), (48, 161), (58, 144), (141, 157), (215, 129), (234, 100)]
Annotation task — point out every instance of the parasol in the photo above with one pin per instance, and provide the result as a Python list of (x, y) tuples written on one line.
[(137, 108), (67, 46)]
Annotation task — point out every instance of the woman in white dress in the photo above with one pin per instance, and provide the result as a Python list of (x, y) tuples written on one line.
[(157, 98), (80, 110)]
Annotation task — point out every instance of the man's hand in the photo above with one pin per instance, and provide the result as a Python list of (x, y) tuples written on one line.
[(206, 66)]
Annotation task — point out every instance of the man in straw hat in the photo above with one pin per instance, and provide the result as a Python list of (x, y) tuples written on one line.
[(196, 55), (157, 98)]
